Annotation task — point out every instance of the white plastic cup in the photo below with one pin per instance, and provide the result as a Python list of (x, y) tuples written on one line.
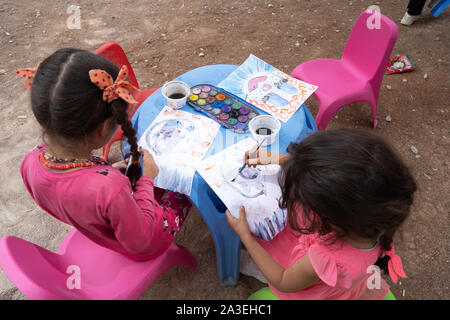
[(265, 122), (176, 87)]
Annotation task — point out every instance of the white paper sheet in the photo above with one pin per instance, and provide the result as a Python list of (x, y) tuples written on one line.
[(267, 88), (257, 189), (177, 141)]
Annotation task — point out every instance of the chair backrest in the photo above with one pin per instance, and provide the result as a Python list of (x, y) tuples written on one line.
[(114, 53), (369, 45)]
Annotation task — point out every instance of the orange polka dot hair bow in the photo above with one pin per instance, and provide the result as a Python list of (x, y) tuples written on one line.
[(395, 265), (113, 90), (28, 74)]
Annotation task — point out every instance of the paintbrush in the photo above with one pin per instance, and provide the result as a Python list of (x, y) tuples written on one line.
[(251, 156), (130, 162)]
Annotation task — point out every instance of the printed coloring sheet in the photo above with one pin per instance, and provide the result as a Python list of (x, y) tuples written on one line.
[(268, 88), (256, 189), (178, 140)]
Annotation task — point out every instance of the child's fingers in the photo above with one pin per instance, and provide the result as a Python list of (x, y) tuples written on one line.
[(252, 149), (146, 155), (143, 151), (120, 165), (249, 152), (238, 225), (242, 212), (230, 219), (253, 162)]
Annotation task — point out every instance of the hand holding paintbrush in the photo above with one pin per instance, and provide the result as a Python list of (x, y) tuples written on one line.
[(245, 164), (261, 156)]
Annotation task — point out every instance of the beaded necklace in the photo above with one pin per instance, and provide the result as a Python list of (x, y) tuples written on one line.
[(45, 158)]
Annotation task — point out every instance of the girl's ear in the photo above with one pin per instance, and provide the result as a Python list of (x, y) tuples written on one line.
[(104, 133), (108, 127), (338, 231)]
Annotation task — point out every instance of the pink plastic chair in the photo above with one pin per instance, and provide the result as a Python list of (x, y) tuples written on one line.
[(357, 76), (104, 274)]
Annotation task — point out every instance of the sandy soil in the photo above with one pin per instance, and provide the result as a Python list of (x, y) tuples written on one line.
[(163, 39)]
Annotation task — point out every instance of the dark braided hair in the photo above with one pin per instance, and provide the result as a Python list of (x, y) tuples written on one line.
[(69, 106), (347, 178)]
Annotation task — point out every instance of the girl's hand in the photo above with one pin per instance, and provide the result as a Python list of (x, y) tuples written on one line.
[(149, 167), (262, 157), (120, 165), (238, 225)]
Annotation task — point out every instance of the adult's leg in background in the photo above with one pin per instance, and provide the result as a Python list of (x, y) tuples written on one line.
[(415, 7)]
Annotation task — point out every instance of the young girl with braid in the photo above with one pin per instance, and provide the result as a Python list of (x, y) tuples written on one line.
[(79, 99)]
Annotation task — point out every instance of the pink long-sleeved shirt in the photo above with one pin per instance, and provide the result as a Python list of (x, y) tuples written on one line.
[(99, 202)]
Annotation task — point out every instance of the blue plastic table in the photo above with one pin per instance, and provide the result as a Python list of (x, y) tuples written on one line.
[(202, 197)]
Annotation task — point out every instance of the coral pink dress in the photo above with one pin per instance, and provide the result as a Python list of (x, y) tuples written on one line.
[(343, 270), (100, 203)]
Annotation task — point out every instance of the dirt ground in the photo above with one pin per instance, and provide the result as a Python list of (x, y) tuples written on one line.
[(164, 39)]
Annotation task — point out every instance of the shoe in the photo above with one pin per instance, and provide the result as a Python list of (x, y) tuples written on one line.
[(249, 268), (408, 19)]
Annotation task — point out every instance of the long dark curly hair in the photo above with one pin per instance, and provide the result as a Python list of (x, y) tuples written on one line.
[(350, 179), (68, 105)]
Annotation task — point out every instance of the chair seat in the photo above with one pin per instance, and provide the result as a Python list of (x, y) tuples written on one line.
[(103, 273), (333, 79), (108, 268)]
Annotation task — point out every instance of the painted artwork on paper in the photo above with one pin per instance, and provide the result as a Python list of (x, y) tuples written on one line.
[(255, 188), (177, 140), (268, 88)]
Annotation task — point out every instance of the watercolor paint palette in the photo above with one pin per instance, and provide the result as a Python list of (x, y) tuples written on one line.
[(227, 109)]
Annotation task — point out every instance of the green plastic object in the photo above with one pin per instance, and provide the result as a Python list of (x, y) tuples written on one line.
[(263, 294), (389, 296), (267, 294)]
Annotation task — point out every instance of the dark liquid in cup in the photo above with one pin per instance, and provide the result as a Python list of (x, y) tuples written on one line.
[(263, 131), (176, 95)]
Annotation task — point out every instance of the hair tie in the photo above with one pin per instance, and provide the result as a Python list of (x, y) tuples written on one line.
[(113, 90), (28, 74), (395, 265)]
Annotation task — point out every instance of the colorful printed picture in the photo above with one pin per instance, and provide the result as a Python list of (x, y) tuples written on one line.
[(177, 140), (268, 88), (255, 188)]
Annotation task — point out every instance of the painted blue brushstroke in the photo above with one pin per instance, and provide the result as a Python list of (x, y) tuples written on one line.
[(277, 101), (287, 87)]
